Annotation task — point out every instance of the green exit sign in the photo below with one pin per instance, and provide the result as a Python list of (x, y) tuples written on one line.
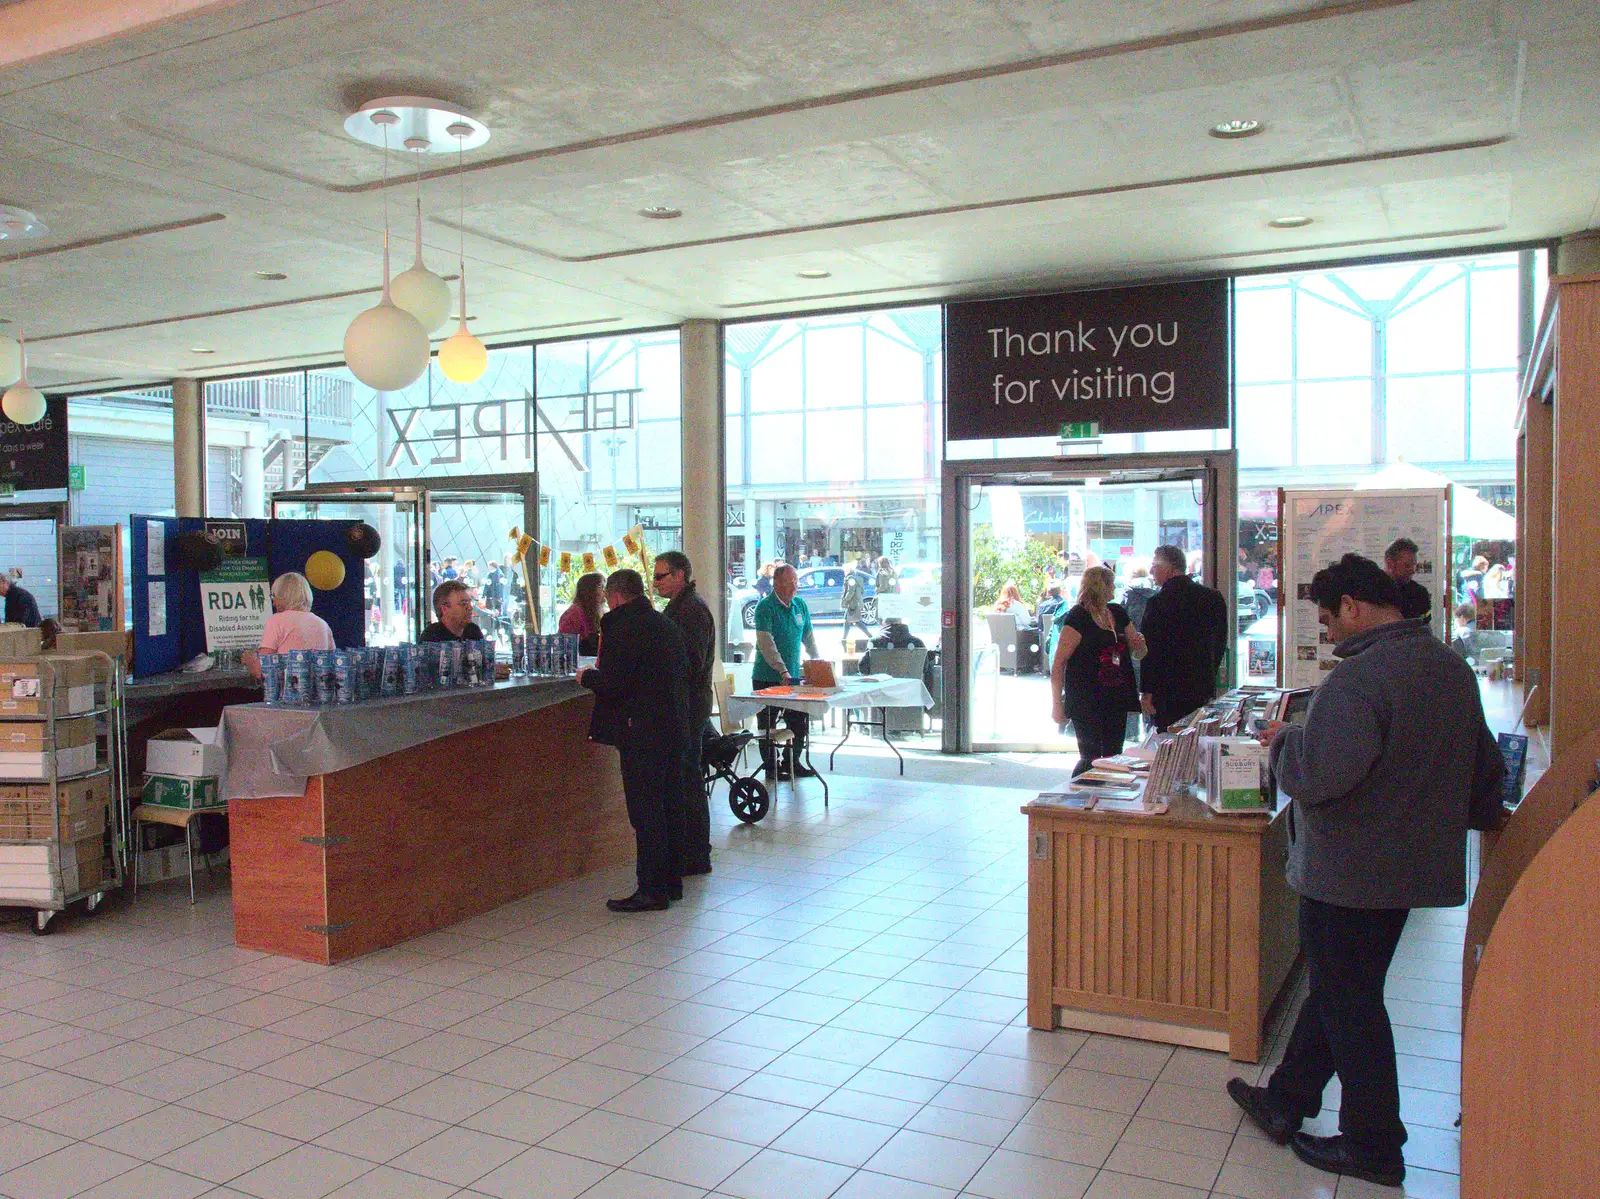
[(8, 489), (1083, 430), (74, 478)]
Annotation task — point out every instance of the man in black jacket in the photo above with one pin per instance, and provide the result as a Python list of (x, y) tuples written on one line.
[(1400, 564), (21, 607), (674, 579), (1186, 626), (642, 707)]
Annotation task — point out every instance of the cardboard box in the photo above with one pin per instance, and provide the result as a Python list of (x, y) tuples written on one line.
[(118, 645), (19, 642), (168, 791), (23, 765), (24, 685), (186, 753), (81, 807), (32, 736), (83, 864)]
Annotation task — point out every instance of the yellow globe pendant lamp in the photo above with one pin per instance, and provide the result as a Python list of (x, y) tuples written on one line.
[(462, 357)]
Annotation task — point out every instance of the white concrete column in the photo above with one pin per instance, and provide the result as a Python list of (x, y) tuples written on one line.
[(253, 486), (189, 447), (704, 514)]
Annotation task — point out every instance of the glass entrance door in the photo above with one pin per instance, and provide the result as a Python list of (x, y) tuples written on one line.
[(1024, 532), (396, 607), (30, 550), (469, 538)]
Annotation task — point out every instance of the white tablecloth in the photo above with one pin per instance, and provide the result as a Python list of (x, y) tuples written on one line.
[(890, 693)]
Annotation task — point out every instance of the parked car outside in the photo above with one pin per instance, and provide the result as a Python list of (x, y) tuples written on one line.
[(822, 588)]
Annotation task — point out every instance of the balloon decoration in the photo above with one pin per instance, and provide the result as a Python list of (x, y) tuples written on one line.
[(196, 551), (325, 570), (364, 540)]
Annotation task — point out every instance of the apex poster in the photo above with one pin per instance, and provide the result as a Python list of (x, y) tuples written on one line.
[(1125, 360)]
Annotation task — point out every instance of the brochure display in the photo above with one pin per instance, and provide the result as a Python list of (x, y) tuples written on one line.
[(1319, 527)]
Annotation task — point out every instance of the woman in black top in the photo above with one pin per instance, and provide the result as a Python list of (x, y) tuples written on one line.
[(1091, 677)]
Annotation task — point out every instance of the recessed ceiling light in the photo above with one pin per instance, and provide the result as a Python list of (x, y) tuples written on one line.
[(1289, 222), (813, 274), (17, 223), (1243, 127), (271, 276), (661, 212), (201, 350)]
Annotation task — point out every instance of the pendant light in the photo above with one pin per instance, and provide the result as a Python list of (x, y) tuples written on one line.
[(418, 290), (10, 361), (23, 403), (462, 357), (385, 347)]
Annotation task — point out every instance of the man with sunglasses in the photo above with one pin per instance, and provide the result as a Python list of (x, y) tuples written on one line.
[(674, 580)]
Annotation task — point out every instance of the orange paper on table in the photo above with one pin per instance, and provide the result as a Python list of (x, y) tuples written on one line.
[(610, 555), (544, 556), (588, 562), (566, 563)]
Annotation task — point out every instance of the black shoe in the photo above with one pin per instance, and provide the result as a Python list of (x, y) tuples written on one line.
[(1333, 1155), (674, 891), (804, 772), (639, 901), (1258, 1105), (697, 868)]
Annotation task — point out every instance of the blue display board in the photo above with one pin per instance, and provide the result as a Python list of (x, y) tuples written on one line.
[(168, 626)]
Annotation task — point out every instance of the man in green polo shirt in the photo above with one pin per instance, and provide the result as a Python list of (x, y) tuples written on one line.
[(783, 624)]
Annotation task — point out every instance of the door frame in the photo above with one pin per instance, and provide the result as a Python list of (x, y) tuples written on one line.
[(419, 494), (56, 510), (1219, 524)]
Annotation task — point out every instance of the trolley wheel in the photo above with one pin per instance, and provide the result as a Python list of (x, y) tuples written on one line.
[(41, 923), (749, 800), (92, 904)]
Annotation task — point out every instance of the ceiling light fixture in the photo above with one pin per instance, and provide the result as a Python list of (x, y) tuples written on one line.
[(271, 276), (385, 347), (661, 212), (18, 223), (10, 360), (1241, 127), (462, 357), (1289, 222), (418, 290), (814, 274), (23, 403), (201, 350)]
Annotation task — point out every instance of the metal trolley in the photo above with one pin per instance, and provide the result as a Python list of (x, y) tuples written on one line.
[(39, 867)]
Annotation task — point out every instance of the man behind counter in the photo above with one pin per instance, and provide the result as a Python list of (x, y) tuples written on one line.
[(452, 603), (1400, 564)]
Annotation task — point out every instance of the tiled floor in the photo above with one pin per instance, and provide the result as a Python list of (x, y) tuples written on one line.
[(837, 1011)]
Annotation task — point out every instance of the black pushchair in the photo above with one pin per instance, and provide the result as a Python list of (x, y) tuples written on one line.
[(721, 755)]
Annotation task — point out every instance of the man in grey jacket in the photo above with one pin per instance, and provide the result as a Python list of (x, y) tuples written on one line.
[(1392, 766)]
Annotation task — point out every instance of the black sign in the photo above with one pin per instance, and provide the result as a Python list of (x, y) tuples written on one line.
[(34, 457), (1129, 360), (229, 537)]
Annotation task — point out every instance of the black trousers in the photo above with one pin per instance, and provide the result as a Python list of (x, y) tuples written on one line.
[(1100, 733), (696, 848), (797, 723), (1344, 1027), (652, 783)]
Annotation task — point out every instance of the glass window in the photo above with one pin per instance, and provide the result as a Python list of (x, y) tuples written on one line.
[(1427, 418), (1494, 318), (833, 367), (1331, 341), (1264, 418), (1334, 423), (1264, 344), (1494, 415), (896, 442), (1429, 333)]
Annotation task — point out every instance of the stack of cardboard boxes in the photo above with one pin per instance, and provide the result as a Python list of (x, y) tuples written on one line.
[(183, 770)]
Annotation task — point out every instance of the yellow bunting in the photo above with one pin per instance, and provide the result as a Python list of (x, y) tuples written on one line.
[(544, 556), (610, 555), (516, 533), (588, 562), (630, 543), (325, 570), (565, 566), (524, 544)]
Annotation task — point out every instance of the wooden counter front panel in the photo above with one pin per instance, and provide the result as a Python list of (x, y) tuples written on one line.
[(457, 826), (279, 894)]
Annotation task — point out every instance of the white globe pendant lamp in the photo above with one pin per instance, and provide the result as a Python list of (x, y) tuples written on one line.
[(10, 361), (462, 357), (23, 403), (418, 290), (385, 347)]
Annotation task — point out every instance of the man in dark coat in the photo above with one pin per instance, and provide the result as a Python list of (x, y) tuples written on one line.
[(21, 607), (1186, 625), (674, 579), (641, 706), (1400, 564)]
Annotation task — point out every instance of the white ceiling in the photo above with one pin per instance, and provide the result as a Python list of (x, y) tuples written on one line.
[(915, 149)]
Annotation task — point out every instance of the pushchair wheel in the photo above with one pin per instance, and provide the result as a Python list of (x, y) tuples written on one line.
[(749, 800)]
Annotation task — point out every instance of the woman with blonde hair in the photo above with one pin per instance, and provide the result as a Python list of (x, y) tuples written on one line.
[(1091, 675), (292, 625)]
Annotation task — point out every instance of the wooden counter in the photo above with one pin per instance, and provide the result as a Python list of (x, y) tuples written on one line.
[(1177, 928), (420, 839)]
